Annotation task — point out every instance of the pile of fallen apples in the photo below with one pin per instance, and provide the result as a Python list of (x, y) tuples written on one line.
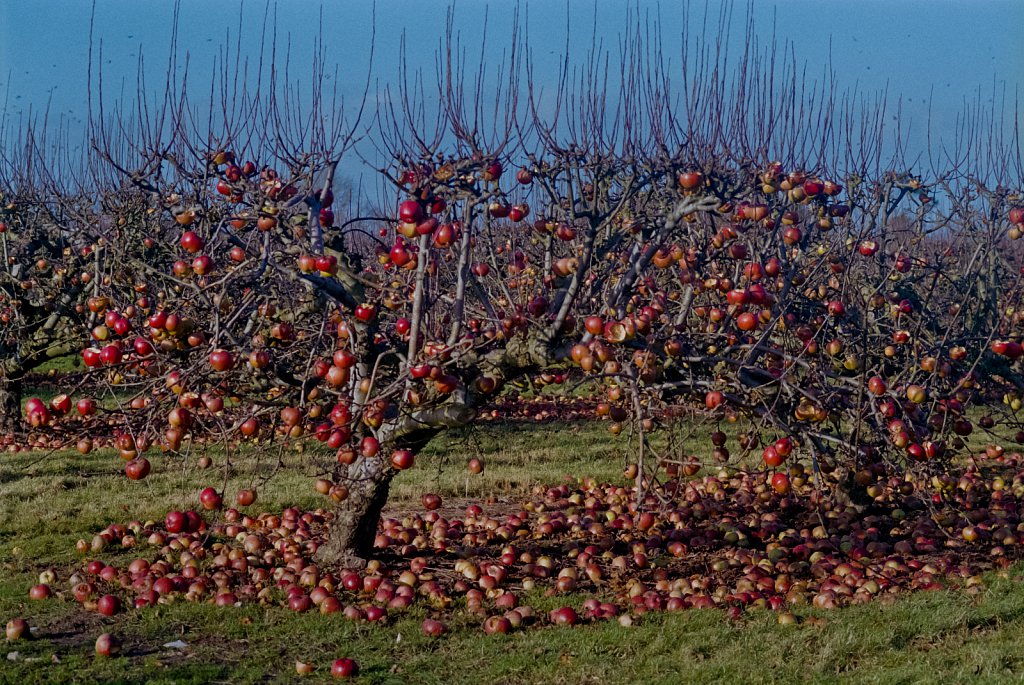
[(552, 408), (728, 540), (539, 408)]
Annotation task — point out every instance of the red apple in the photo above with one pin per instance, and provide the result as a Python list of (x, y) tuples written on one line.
[(175, 522), (221, 360), (210, 499), (111, 354), (564, 616), (433, 628), (327, 264), (365, 312), (410, 211), (245, 497), (91, 357), (202, 265), (780, 483), (41, 591), (108, 605), (688, 180), (344, 668), (493, 171), (107, 645), (402, 459), (191, 242), (17, 628), (369, 446), (60, 404), (137, 469)]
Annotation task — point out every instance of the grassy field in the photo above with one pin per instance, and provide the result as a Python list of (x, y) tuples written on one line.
[(46, 505)]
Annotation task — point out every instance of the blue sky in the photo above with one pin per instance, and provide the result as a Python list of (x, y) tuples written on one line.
[(942, 50)]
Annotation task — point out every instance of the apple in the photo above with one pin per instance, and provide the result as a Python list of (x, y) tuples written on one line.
[(868, 248), (175, 522), (365, 312), (41, 591), (837, 309), (916, 394), (410, 212), (689, 180), (402, 459), (91, 357), (180, 417), (245, 497), (493, 171), (107, 645), (291, 416), (221, 360), (369, 446), (108, 605), (746, 321), (111, 355), (327, 264), (17, 628), (259, 359), (433, 628), (137, 469), (564, 616), (143, 348), (40, 418), (122, 326), (780, 483), (444, 235), (202, 265), (344, 668), (210, 499), (191, 242), (813, 187), (300, 602)]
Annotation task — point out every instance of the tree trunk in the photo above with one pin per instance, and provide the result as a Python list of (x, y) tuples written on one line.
[(352, 531), (10, 404)]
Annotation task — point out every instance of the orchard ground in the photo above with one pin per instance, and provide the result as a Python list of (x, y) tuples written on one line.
[(48, 504)]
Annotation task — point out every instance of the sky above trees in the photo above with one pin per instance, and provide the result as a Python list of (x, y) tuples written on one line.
[(931, 57)]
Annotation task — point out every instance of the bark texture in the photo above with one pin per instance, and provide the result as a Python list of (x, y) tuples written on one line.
[(354, 527), (10, 404)]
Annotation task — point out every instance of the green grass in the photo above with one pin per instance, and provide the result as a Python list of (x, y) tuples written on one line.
[(67, 494), (46, 505), (923, 639), (60, 365)]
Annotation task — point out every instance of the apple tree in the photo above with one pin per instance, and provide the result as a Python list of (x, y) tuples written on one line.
[(741, 250)]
